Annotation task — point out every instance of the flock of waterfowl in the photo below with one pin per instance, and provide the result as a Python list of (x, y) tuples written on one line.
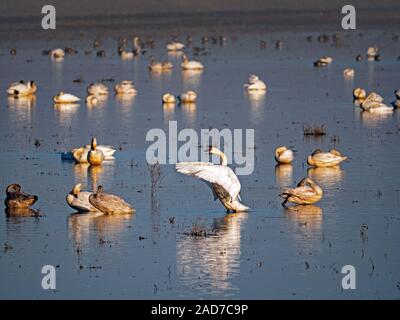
[(222, 180)]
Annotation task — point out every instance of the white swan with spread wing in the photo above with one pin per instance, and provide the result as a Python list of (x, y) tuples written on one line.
[(221, 179)]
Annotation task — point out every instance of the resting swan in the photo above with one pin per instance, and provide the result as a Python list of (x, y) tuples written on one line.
[(21, 88), (220, 178), (325, 159), (255, 83), (79, 200), (109, 203), (63, 97), (283, 155), (306, 192)]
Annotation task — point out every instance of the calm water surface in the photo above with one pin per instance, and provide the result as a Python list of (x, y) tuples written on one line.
[(269, 252)]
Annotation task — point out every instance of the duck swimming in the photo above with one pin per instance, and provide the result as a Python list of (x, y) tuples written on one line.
[(16, 199), (97, 89), (21, 88), (63, 97), (125, 87), (190, 65), (325, 159), (306, 192), (188, 97), (95, 156), (283, 155), (109, 203), (79, 200), (220, 178), (255, 83)]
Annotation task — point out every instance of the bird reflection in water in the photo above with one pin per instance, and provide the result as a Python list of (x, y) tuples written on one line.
[(191, 79), (169, 111), (284, 175), (125, 100), (66, 112), (327, 177), (93, 176), (189, 110), (210, 263), (21, 109), (85, 228), (306, 222), (257, 102)]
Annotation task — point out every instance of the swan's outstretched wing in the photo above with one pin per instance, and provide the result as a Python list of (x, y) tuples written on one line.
[(216, 174)]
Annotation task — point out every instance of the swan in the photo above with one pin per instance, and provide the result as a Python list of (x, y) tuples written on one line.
[(325, 159), (79, 200), (168, 98), (374, 104), (137, 47), (306, 192), (188, 97), (190, 65), (157, 66), (323, 62), (220, 178), (175, 46), (97, 89), (255, 83), (80, 154), (109, 203), (21, 88), (348, 73), (57, 54), (125, 87), (95, 156), (372, 53), (283, 155), (16, 199), (63, 97)]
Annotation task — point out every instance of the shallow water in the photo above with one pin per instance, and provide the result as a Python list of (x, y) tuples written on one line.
[(269, 252)]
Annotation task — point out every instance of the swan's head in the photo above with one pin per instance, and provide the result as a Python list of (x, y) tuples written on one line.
[(76, 189), (213, 150), (397, 93), (185, 58), (93, 144), (13, 188), (100, 189)]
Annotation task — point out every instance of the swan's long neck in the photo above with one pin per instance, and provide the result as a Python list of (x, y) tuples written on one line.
[(224, 159)]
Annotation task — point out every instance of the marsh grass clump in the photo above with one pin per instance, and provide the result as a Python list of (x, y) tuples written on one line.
[(314, 130)]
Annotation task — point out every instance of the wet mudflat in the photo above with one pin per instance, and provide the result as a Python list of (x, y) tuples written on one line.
[(270, 252)]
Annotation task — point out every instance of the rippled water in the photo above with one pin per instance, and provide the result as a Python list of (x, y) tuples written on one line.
[(270, 252)]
